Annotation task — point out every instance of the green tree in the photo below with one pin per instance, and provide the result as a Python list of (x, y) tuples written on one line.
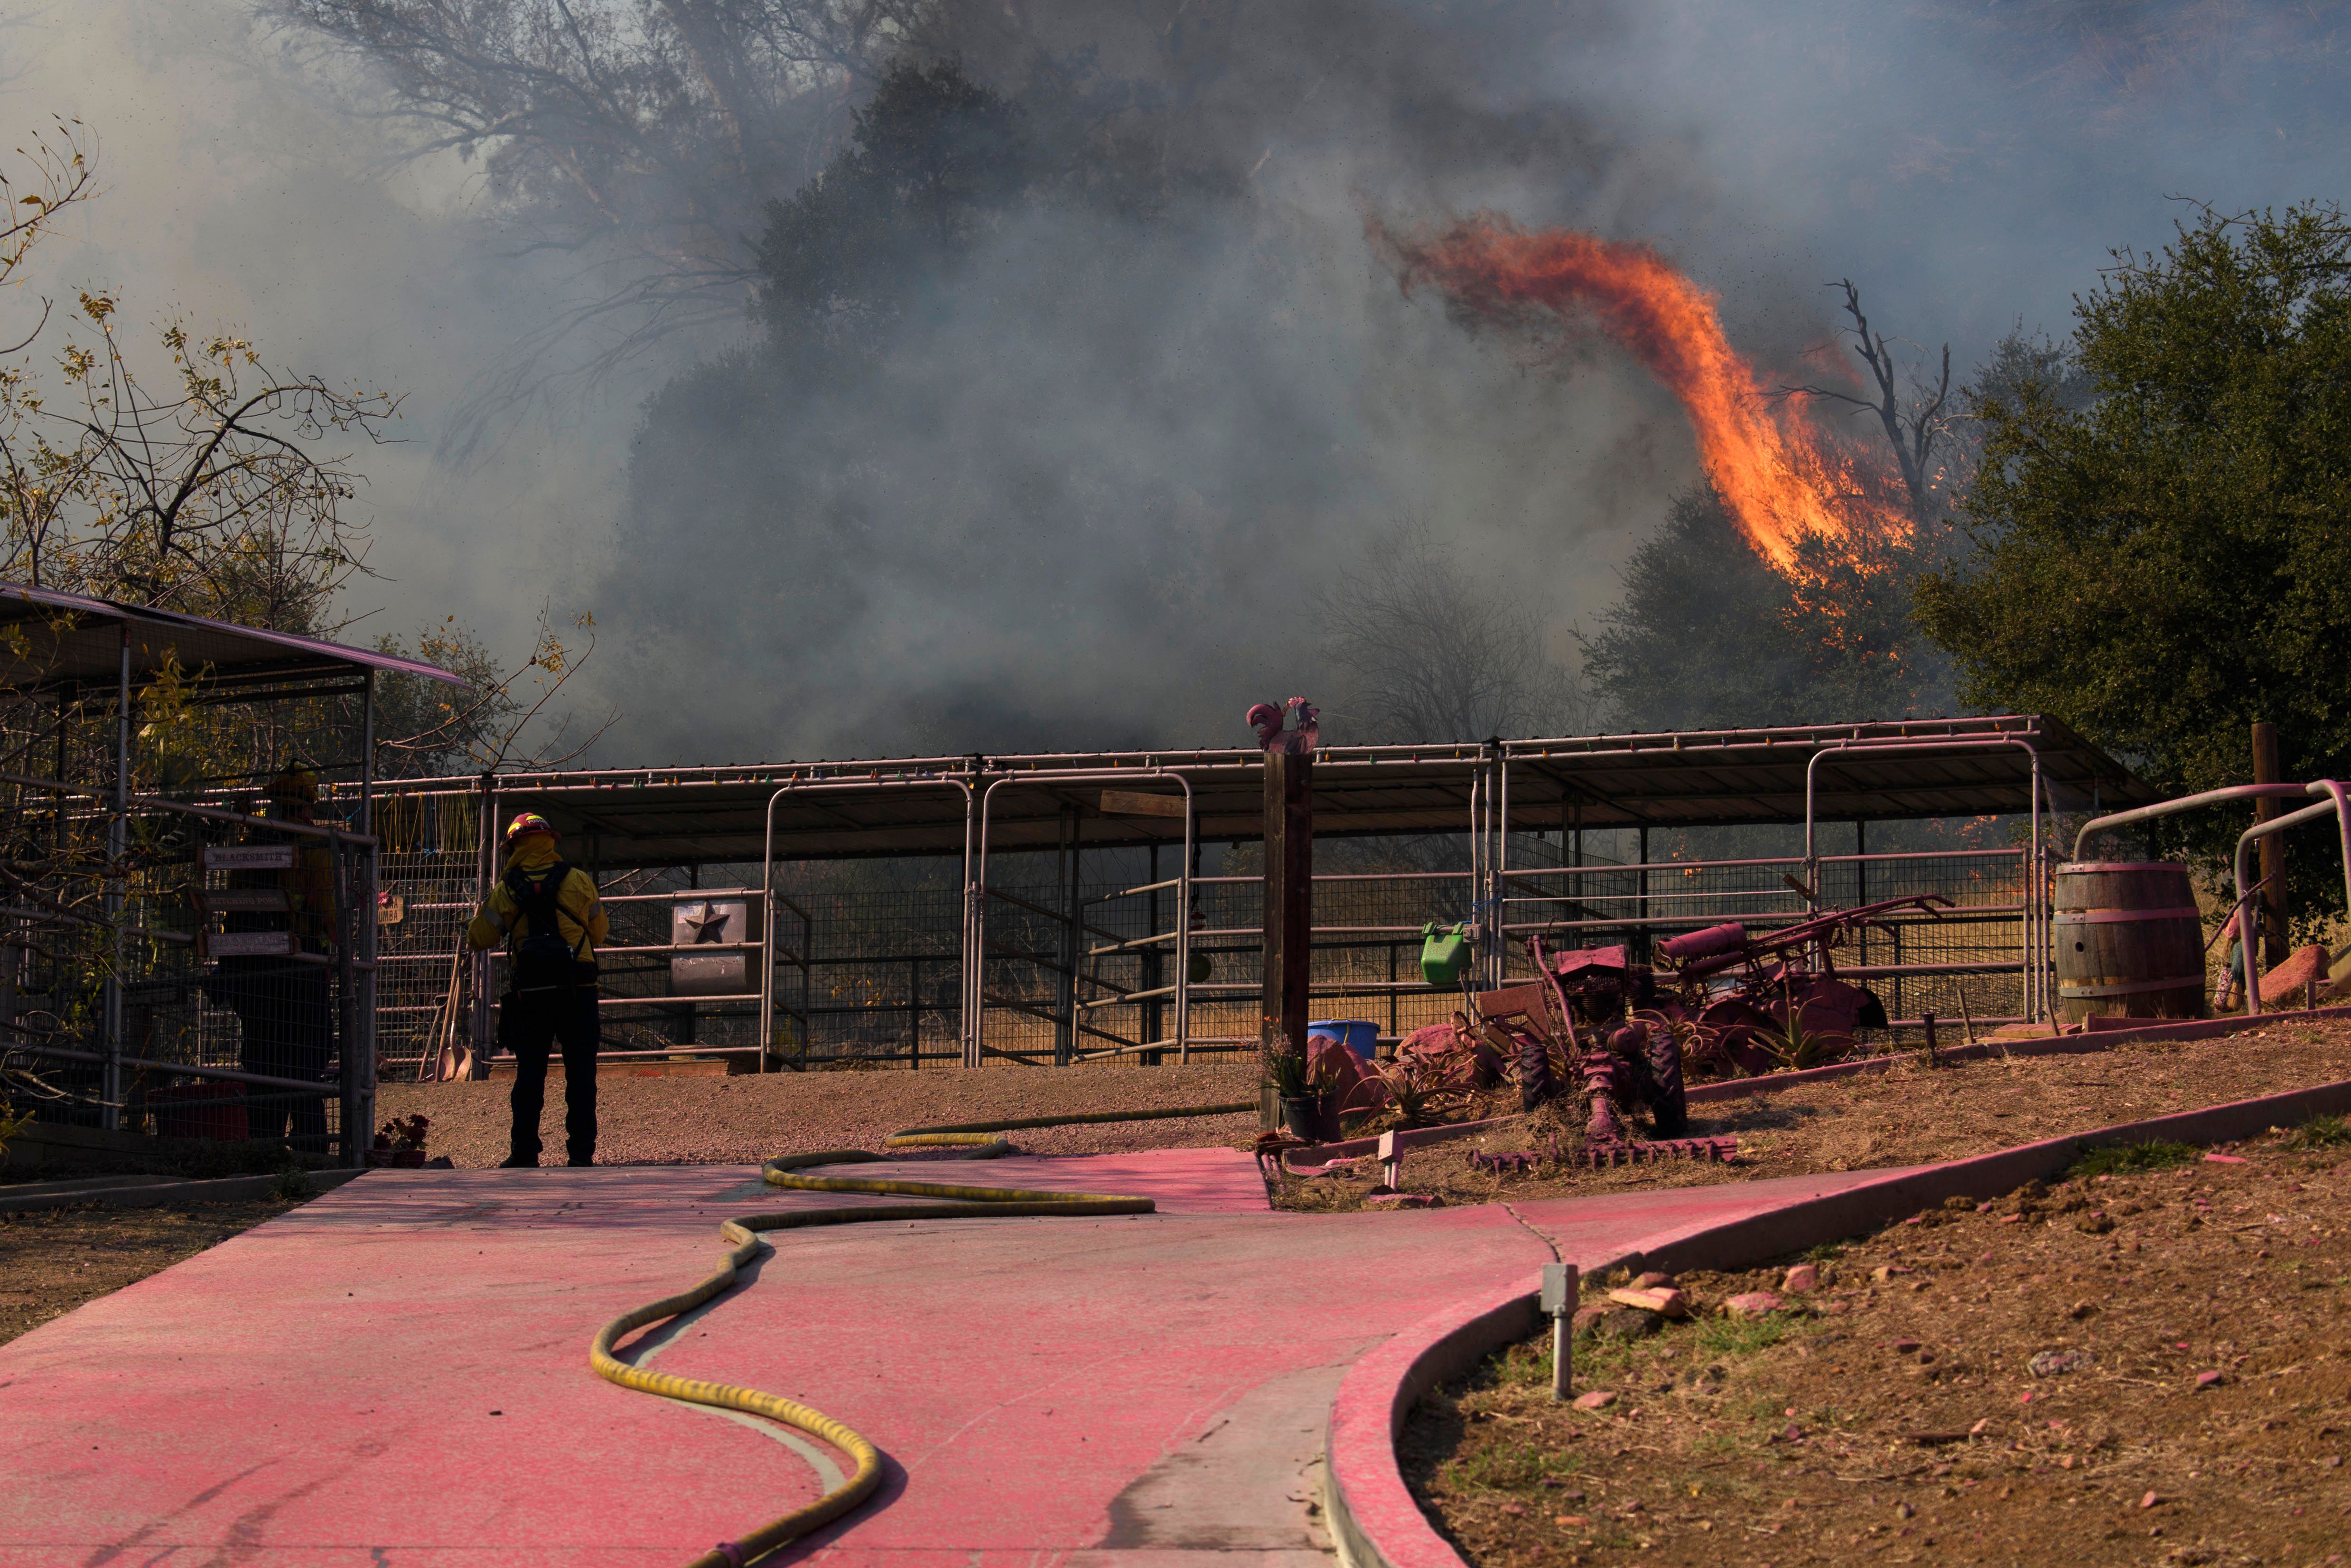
[(1707, 635), (934, 164), (2159, 562)]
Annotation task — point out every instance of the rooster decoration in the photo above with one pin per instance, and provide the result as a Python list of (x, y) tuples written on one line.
[(1276, 734)]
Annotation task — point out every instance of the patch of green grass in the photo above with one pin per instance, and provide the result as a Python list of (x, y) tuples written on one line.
[(2123, 1159), (2321, 1132), (1593, 1356), (1739, 1336), (1523, 1363), (1512, 1467)]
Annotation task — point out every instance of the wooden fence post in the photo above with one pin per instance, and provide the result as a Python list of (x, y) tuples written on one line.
[(1289, 913)]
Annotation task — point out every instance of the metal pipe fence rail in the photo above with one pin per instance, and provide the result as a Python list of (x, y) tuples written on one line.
[(1033, 955), (1975, 959), (879, 976)]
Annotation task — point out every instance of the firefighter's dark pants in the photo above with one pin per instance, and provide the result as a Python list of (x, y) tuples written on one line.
[(527, 1023)]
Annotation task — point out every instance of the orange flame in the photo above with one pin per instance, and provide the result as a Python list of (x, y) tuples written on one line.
[(1777, 476)]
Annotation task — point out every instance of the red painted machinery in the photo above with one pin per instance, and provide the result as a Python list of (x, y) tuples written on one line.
[(1743, 1004)]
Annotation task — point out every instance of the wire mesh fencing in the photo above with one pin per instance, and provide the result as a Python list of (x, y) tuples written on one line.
[(1966, 962), (192, 972), (429, 882), (867, 957)]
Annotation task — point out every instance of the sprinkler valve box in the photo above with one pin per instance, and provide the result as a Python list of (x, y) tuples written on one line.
[(1558, 1289)]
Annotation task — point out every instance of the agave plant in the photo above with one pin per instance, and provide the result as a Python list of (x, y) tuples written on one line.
[(1410, 1099), (1700, 1044), (1792, 1047)]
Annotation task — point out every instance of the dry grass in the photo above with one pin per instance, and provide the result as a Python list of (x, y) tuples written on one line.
[(52, 1261), (1910, 1115), (1900, 1419)]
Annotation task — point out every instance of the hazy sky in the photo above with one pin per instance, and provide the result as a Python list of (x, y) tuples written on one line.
[(1968, 164)]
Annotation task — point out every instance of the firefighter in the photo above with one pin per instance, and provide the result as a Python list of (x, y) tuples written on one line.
[(546, 914), (285, 1005)]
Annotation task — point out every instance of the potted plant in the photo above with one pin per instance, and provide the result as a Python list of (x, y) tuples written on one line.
[(400, 1142), (1300, 1090)]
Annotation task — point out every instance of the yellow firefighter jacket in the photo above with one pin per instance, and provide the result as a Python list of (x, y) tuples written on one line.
[(579, 912)]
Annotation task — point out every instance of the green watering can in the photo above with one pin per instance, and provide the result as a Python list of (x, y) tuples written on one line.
[(1444, 953)]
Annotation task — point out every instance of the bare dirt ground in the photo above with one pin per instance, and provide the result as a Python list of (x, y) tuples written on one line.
[(742, 1120), (2146, 1366), (1910, 1115), (52, 1261)]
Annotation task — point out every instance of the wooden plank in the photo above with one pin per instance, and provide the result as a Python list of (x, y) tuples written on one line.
[(246, 944), (1129, 803), (248, 857), (245, 900)]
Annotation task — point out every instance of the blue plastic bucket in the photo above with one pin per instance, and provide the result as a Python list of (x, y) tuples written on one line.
[(1359, 1035)]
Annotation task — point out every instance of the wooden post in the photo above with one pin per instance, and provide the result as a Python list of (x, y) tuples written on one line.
[(1289, 913), (2272, 849)]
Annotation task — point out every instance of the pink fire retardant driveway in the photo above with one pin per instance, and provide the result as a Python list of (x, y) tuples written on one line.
[(397, 1373)]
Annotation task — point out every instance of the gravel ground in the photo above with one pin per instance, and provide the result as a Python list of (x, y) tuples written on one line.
[(2142, 1366), (1910, 1115), (743, 1119)]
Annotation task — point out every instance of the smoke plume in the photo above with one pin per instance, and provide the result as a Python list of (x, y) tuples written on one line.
[(1086, 481)]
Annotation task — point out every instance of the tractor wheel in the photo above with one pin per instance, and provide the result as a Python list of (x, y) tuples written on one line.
[(1668, 1106), (1535, 1085)]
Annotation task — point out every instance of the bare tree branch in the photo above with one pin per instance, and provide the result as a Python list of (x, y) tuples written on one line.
[(1915, 423), (643, 135)]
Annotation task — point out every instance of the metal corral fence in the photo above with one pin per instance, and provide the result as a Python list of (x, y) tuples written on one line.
[(869, 957), (430, 867), (1968, 962), (1137, 949), (187, 946)]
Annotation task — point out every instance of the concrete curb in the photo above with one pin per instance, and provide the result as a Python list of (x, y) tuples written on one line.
[(147, 1193), (1373, 1514), (78, 1184)]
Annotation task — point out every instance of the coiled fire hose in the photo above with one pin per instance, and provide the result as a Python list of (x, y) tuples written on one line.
[(951, 1202)]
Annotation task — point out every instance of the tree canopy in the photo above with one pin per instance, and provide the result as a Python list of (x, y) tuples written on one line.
[(2158, 518), (992, 418), (1707, 635)]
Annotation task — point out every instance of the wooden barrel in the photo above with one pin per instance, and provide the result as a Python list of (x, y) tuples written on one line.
[(2129, 941)]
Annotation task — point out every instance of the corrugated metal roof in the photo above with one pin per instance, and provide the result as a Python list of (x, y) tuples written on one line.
[(909, 806), (58, 639)]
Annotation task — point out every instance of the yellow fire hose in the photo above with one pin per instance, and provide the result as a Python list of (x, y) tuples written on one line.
[(743, 1237)]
